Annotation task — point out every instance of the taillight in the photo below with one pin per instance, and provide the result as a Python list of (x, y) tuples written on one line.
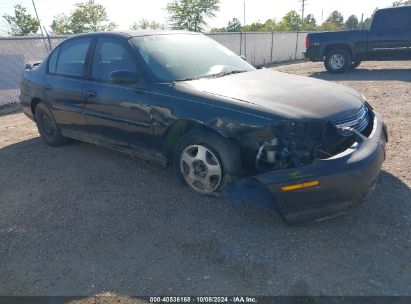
[(307, 42)]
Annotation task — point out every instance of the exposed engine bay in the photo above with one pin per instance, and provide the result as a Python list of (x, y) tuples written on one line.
[(299, 143)]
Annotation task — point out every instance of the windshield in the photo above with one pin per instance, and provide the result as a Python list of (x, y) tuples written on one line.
[(179, 57)]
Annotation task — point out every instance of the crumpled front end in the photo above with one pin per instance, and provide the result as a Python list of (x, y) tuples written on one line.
[(330, 185), (314, 171)]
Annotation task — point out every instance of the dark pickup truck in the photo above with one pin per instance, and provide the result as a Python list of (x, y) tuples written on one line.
[(389, 38)]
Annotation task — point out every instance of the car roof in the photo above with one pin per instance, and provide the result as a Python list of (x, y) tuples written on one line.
[(403, 7), (130, 33)]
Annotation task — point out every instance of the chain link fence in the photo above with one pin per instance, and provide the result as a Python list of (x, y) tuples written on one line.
[(264, 48), (259, 48), (15, 52)]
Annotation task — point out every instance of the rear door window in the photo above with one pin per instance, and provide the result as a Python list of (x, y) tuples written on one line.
[(72, 57)]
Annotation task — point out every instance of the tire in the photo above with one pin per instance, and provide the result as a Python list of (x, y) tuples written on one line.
[(206, 162), (355, 64), (48, 128), (337, 61)]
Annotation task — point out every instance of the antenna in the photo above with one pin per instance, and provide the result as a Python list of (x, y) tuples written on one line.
[(37, 15), (48, 38), (41, 30)]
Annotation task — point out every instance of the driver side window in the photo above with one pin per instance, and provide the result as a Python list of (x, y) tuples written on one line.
[(110, 56)]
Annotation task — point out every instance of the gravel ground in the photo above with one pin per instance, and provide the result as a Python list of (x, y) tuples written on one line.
[(84, 220)]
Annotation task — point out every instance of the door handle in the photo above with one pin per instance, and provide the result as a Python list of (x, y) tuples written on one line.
[(47, 87), (91, 94)]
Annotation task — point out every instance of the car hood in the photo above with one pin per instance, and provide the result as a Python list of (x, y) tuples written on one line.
[(282, 94)]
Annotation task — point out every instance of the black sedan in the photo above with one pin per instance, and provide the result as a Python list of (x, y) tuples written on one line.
[(183, 99)]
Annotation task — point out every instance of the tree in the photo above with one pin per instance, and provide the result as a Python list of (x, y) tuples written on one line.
[(253, 27), (87, 17), (334, 22), (365, 24), (218, 30), (401, 3), (290, 22), (22, 23), (327, 26), (269, 25), (336, 18), (145, 24), (190, 14), (61, 25), (352, 23), (234, 25), (310, 24)]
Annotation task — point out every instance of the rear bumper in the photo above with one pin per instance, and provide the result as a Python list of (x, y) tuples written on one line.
[(344, 180), (25, 102)]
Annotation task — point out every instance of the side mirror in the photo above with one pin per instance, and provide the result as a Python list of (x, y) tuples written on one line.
[(243, 57), (123, 77)]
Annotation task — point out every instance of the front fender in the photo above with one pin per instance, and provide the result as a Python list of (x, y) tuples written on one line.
[(173, 114)]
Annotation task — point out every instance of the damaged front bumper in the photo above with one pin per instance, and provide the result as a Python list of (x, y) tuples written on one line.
[(337, 183)]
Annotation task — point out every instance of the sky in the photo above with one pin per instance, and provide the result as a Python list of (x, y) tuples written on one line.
[(125, 12)]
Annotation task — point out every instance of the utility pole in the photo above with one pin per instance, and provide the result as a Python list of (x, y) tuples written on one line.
[(244, 12), (303, 4), (362, 21), (245, 36)]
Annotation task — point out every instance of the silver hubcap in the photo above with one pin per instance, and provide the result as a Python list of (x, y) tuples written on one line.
[(200, 168), (337, 61)]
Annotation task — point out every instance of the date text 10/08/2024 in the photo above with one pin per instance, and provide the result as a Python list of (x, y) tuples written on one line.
[(154, 300)]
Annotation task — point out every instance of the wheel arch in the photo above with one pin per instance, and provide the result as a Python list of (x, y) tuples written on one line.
[(338, 46), (181, 127), (34, 102)]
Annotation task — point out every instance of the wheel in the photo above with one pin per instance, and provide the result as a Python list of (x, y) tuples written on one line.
[(355, 64), (206, 162), (49, 130), (337, 61)]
